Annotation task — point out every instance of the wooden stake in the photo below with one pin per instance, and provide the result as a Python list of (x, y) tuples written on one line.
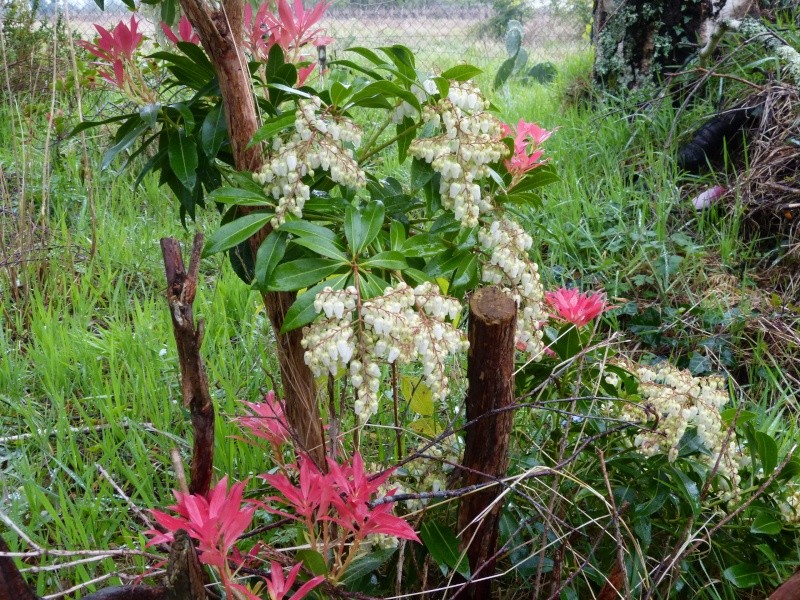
[(490, 371)]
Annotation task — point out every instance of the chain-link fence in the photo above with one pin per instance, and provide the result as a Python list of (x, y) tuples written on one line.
[(441, 32)]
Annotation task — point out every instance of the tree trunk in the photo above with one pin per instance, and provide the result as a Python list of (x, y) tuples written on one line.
[(221, 33), (490, 372), (636, 40)]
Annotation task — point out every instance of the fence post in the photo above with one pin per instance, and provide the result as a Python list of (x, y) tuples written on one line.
[(490, 371)]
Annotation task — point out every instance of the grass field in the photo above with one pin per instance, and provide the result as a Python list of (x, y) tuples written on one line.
[(89, 382)]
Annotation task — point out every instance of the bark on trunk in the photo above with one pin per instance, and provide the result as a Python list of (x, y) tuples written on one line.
[(221, 33), (636, 40), (490, 371), (181, 289)]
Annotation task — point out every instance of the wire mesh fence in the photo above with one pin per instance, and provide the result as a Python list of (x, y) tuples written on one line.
[(440, 32)]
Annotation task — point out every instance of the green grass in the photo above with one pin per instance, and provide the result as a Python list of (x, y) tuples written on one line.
[(90, 344)]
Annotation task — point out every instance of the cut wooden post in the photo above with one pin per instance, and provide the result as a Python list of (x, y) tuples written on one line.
[(181, 289), (490, 371)]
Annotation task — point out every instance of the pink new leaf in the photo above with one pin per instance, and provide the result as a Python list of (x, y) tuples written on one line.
[(576, 307), (278, 587)]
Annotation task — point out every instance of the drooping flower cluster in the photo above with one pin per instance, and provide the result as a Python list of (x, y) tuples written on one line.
[(682, 402), (116, 50), (575, 307), (401, 325), (510, 268), (790, 506), (469, 141), (429, 472), (318, 142)]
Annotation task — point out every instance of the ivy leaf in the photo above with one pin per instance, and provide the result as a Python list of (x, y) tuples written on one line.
[(234, 233), (301, 273), (183, 158)]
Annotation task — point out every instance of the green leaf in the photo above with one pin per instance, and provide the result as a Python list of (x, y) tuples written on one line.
[(743, 575), (271, 127), (389, 259), (405, 135), (744, 416), (269, 254), (302, 312), (466, 274), (183, 158), (301, 273), (235, 232), (149, 113), (322, 246), (536, 178), (767, 524), (289, 90), (305, 228), (531, 199), (213, 131), (767, 450), (312, 560), (462, 73), (340, 93), (123, 144), (397, 235), (423, 245), (384, 89), (89, 124), (513, 38), (369, 55), (442, 543), (362, 225), (366, 564), (420, 398), (239, 197)]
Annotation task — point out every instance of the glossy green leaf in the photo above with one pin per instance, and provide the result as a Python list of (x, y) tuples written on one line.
[(323, 247), (340, 93), (272, 127), (313, 561), (369, 55), (302, 312), (743, 575), (461, 73), (536, 178), (149, 113), (269, 255), (362, 225), (306, 228), (389, 259), (767, 450), (123, 144), (235, 232), (397, 235), (183, 158), (239, 197), (366, 564), (443, 544), (213, 131), (767, 524), (301, 273)]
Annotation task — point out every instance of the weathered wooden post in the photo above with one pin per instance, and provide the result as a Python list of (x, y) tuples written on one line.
[(490, 371), (181, 289)]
